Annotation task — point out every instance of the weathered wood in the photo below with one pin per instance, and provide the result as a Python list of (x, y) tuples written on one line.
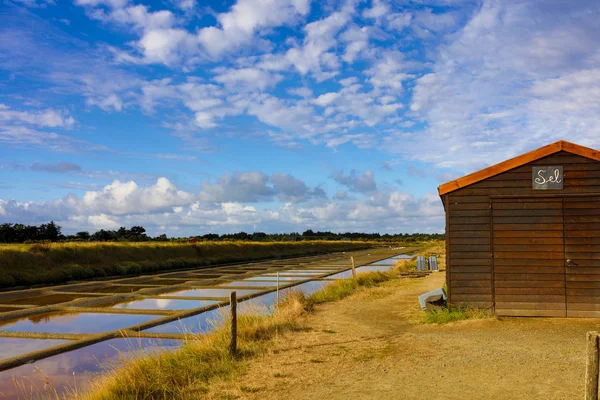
[(353, 267), (529, 312), (516, 262), (472, 247), (469, 227), (233, 310), (465, 254), (515, 204), (529, 284), (518, 245), (533, 298), (531, 234), (533, 157), (471, 284), (516, 250), (465, 269), (467, 298), (530, 290), (522, 305), (530, 277), (500, 241), (554, 255), (468, 241), (475, 261), (592, 366), (480, 290), (469, 277), (545, 212)]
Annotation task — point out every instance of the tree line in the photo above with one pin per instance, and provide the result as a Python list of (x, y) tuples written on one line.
[(20, 233)]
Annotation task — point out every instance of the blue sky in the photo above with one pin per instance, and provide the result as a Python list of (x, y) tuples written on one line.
[(190, 117)]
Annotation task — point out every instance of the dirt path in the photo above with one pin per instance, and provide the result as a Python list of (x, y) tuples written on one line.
[(371, 346)]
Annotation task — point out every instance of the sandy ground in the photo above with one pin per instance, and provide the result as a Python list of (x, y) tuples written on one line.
[(372, 346)]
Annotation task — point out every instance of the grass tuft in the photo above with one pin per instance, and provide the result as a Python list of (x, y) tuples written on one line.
[(446, 315), (345, 287)]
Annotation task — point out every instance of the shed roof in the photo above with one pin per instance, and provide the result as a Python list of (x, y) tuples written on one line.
[(515, 162)]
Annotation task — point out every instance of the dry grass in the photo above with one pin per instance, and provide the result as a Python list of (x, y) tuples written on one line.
[(26, 264), (406, 265), (186, 373), (345, 287), (446, 315)]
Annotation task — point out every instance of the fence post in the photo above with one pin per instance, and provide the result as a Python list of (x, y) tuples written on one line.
[(353, 268), (233, 308), (277, 303), (591, 370)]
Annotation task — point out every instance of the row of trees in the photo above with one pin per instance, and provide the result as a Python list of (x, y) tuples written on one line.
[(19, 233)]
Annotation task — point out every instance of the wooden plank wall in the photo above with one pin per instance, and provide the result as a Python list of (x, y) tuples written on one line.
[(528, 248), (469, 221), (582, 244)]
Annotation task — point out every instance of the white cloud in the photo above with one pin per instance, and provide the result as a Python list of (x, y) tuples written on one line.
[(364, 183), (516, 77), (320, 37), (399, 21), (246, 78), (128, 198), (164, 46), (357, 42), (20, 136), (48, 118), (239, 25), (112, 102), (102, 221), (109, 3), (326, 99), (254, 187), (138, 16), (389, 212), (378, 9), (389, 71)]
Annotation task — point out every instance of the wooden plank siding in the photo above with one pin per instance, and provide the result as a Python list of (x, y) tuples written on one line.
[(507, 243), (582, 242), (531, 270)]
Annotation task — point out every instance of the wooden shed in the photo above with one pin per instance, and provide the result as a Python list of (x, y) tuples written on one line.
[(523, 236)]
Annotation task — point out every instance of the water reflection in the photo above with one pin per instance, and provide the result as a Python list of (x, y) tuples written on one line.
[(248, 283), (200, 323), (263, 304), (47, 299), (73, 369), (217, 293), (341, 275), (11, 347), (274, 278), (164, 304), (57, 322)]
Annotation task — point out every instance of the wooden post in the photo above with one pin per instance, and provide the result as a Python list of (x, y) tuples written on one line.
[(233, 308), (353, 268), (277, 303), (591, 370)]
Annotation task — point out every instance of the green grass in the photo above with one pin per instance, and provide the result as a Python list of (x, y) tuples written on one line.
[(345, 287), (446, 315), (35, 264)]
